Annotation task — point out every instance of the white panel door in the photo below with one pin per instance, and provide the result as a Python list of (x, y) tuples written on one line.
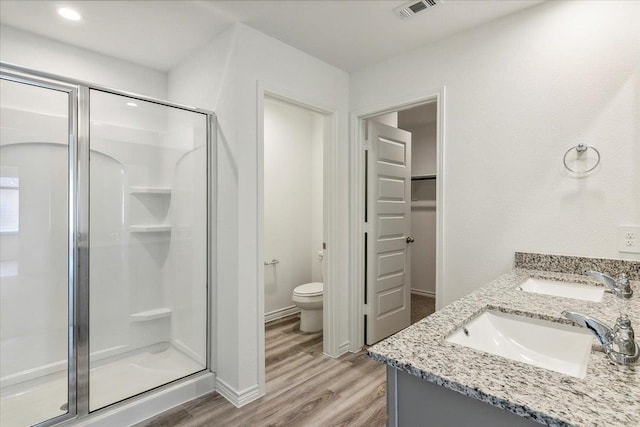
[(389, 206)]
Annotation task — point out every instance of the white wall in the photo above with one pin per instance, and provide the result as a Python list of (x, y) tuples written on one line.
[(224, 77), (423, 147), (292, 199), (208, 79), (423, 230), (317, 196), (26, 49), (519, 92)]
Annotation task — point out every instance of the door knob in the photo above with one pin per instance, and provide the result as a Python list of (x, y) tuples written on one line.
[(410, 239)]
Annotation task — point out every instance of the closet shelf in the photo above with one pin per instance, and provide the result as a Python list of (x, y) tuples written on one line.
[(151, 190), (157, 313), (150, 228), (423, 204)]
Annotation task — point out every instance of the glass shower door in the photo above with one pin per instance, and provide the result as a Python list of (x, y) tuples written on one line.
[(148, 246), (104, 246), (34, 252)]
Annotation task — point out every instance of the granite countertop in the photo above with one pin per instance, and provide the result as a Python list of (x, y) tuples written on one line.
[(609, 395)]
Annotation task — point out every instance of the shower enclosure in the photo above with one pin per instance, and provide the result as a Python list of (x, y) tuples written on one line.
[(104, 246)]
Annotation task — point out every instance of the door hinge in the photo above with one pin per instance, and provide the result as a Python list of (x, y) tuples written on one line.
[(365, 227)]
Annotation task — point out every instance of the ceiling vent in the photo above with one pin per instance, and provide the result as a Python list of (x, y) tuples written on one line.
[(409, 9)]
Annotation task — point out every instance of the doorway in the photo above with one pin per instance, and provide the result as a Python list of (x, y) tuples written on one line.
[(398, 258), (292, 203), (296, 223), (421, 121)]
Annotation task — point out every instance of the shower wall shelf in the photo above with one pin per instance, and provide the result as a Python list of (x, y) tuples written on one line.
[(150, 228), (158, 313), (151, 190)]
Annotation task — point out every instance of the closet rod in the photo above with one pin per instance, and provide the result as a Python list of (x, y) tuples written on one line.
[(422, 177)]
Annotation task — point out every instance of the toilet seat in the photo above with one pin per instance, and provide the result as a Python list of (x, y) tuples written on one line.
[(313, 289)]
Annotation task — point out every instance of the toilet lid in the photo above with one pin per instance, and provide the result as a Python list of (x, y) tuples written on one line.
[(309, 289)]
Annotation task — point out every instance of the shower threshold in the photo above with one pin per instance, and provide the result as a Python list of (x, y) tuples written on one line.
[(110, 381)]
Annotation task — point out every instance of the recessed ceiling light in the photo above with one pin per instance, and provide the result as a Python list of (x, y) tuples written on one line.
[(69, 14), (132, 104)]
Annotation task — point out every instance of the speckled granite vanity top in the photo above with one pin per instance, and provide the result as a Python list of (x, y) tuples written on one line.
[(609, 395)]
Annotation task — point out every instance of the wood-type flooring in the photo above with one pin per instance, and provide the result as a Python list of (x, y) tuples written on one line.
[(304, 387)]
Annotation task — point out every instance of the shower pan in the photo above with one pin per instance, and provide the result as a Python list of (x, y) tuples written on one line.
[(105, 273)]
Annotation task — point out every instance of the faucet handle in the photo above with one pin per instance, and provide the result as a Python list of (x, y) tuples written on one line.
[(622, 281), (618, 343), (624, 336), (620, 286), (623, 285)]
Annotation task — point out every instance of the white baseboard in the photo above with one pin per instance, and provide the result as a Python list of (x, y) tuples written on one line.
[(238, 398), (345, 347), (279, 314), (430, 294)]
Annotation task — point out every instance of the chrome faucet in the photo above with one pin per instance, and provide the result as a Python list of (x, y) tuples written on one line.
[(618, 342), (620, 287)]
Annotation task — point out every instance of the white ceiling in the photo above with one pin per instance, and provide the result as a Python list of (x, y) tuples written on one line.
[(156, 34), (349, 34)]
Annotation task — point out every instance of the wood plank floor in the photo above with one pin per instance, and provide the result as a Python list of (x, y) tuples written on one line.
[(304, 388)]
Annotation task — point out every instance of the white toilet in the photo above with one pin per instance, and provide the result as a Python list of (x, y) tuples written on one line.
[(309, 298)]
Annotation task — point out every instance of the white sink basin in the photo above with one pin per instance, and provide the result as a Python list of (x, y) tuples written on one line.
[(554, 346), (563, 289)]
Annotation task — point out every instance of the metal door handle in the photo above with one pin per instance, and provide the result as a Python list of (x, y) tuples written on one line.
[(410, 239)]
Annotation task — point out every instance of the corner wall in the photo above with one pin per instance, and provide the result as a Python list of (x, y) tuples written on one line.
[(521, 91), (225, 77)]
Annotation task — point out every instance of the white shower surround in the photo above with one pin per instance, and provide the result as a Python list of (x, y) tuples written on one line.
[(118, 336), (119, 153)]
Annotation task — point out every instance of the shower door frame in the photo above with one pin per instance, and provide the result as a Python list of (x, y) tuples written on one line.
[(78, 234)]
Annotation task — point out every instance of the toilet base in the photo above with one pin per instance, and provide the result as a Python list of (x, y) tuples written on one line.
[(310, 320)]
